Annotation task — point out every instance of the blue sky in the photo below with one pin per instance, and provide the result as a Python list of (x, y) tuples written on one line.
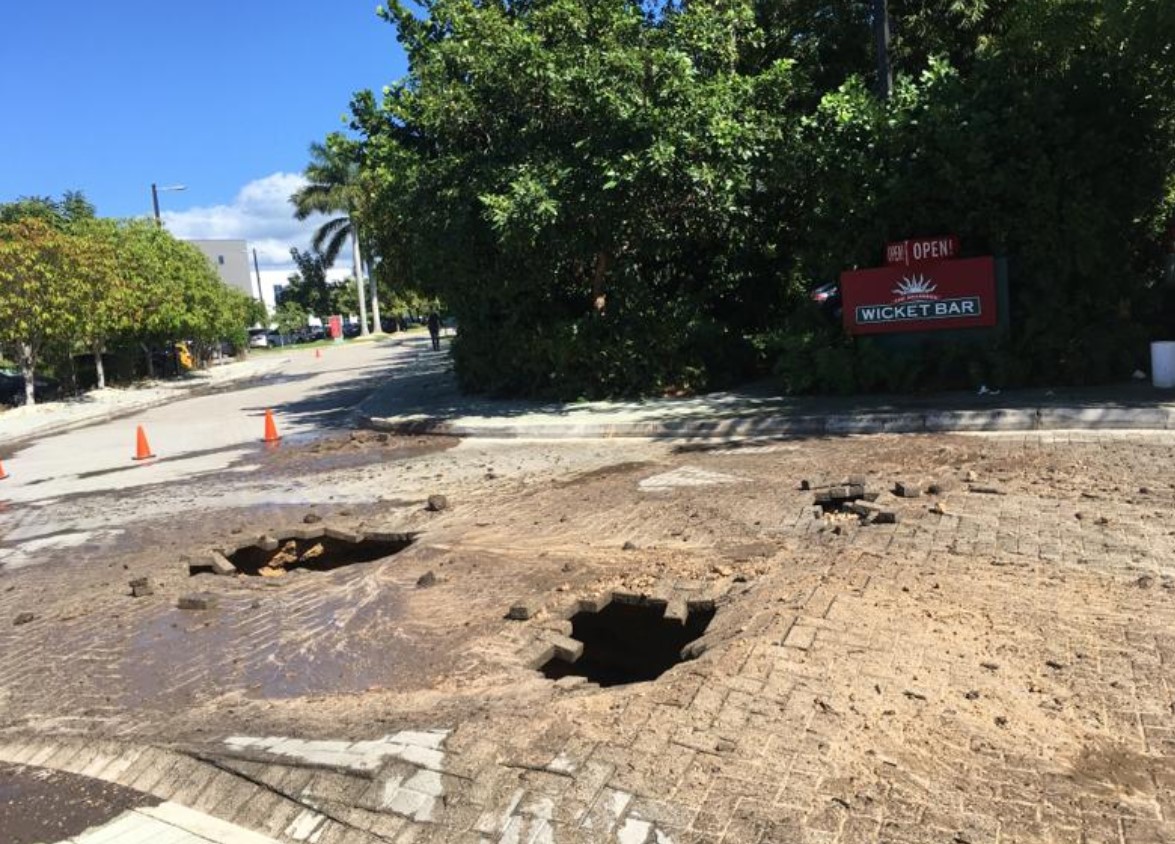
[(223, 97)]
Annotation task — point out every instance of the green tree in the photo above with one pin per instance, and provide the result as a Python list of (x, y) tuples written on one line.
[(577, 181), (308, 287), (290, 318), (333, 188), (36, 292)]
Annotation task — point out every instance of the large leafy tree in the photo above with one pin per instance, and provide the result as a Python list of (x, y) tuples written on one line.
[(309, 287), (37, 293), (333, 188), (577, 181), (614, 195)]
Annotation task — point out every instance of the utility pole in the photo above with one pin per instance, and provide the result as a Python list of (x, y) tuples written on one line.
[(257, 270), (881, 36)]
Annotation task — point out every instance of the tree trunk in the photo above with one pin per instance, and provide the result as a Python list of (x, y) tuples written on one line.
[(150, 363), (28, 370), (358, 263), (98, 367), (376, 323)]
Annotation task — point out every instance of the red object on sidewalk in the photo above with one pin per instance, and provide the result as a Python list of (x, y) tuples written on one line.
[(318, 353), (142, 449), (3, 474), (271, 435)]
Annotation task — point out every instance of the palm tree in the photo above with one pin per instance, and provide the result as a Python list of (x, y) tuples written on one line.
[(332, 186)]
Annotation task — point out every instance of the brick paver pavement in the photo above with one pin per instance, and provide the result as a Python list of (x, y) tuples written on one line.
[(995, 667)]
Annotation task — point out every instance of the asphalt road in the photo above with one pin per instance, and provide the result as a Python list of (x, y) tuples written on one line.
[(206, 433)]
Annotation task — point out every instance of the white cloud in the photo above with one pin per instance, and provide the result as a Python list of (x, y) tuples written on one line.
[(261, 214)]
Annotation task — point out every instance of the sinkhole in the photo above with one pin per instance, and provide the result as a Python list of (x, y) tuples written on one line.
[(276, 558), (628, 643)]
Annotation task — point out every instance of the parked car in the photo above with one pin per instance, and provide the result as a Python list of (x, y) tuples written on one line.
[(827, 296), (12, 388), (258, 338)]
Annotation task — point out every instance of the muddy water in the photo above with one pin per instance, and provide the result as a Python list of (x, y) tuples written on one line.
[(270, 643)]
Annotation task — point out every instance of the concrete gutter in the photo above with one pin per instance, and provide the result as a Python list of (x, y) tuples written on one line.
[(996, 419)]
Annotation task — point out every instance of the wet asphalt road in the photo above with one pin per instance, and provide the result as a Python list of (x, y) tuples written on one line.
[(40, 805)]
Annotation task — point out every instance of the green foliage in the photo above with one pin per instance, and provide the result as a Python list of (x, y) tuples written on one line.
[(71, 282), (290, 317), (309, 288), (617, 197)]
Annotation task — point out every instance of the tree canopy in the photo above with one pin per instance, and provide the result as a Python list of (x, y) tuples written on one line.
[(619, 197), (72, 282)]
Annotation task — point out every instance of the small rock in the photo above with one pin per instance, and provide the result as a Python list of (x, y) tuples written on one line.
[(23, 618), (311, 519), (203, 601), (524, 610), (1001, 721), (805, 485), (971, 476), (990, 666), (437, 503), (1145, 582), (905, 489), (141, 587), (986, 490), (1101, 520), (426, 580), (221, 564), (628, 546), (740, 578), (721, 571), (972, 695), (938, 508), (724, 746)]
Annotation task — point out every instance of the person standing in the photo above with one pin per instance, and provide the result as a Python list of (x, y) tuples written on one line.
[(434, 330)]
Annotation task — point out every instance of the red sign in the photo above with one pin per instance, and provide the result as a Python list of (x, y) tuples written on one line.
[(921, 250), (336, 327), (931, 297)]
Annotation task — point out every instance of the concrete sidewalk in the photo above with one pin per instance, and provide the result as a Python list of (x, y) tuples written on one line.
[(422, 397), (23, 423)]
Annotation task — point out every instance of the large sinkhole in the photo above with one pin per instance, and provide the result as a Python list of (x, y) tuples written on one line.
[(323, 553), (628, 643)]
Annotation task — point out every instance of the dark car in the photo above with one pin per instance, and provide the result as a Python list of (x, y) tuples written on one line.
[(12, 388)]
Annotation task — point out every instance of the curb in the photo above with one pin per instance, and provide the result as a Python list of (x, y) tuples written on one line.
[(898, 422), (128, 409)]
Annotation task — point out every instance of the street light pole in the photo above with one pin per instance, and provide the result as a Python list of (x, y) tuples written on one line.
[(155, 199)]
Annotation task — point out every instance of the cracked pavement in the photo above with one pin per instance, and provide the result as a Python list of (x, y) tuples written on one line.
[(995, 666)]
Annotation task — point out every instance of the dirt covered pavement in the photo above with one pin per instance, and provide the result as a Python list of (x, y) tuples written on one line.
[(993, 666)]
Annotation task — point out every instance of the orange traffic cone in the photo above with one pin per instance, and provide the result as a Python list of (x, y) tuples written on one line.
[(142, 450), (271, 435), (3, 474)]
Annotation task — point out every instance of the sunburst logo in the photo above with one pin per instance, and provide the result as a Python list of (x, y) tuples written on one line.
[(915, 287)]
